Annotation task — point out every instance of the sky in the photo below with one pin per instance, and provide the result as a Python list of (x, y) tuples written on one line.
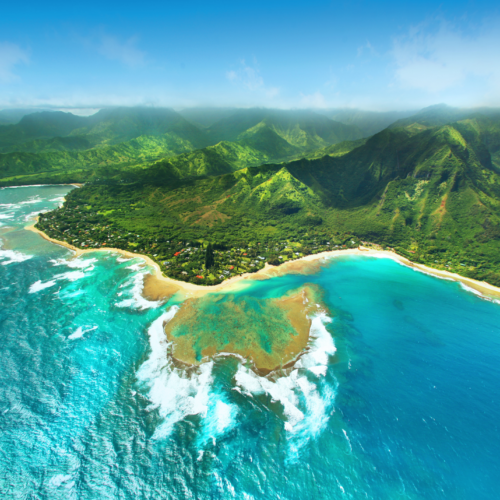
[(382, 55)]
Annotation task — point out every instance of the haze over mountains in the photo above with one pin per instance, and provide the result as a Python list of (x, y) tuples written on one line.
[(428, 183)]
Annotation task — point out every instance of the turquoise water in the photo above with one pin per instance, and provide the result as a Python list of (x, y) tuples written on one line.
[(398, 397)]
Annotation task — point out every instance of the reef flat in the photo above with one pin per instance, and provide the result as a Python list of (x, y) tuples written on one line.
[(271, 332)]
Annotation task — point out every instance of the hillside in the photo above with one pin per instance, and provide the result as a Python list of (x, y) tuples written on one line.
[(305, 129), (115, 141), (433, 193), (368, 122)]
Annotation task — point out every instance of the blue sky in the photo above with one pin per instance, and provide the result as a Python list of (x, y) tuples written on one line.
[(372, 55)]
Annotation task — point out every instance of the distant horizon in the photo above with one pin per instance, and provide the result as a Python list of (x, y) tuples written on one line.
[(91, 110)]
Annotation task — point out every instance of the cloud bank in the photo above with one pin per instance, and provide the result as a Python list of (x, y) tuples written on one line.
[(437, 57)]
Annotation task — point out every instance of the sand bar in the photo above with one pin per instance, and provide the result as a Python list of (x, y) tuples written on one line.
[(158, 285)]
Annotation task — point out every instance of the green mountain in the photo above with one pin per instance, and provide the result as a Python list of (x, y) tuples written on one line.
[(116, 125), (11, 116), (142, 150), (56, 131), (368, 122), (441, 114), (126, 138), (42, 125), (207, 116), (301, 128), (432, 192)]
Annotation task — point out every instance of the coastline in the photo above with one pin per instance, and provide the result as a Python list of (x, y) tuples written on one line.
[(162, 286), (76, 184)]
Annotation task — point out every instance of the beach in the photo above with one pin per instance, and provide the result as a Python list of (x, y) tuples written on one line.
[(157, 286)]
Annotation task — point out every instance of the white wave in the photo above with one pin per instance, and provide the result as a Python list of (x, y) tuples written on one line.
[(322, 346), (81, 268), (478, 293), (173, 392), (282, 390), (70, 276), (136, 267), (230, 354), (6, 216), (220, 417), (13, 256), (39, 285), (306, 401), (137, 301), (9, 205), (33, 199), (85, 264), (470, 289), (71, 295), (59, 479), (80, 332), (124, 259), (59, 198), (32, 215), (34, 185), (428, 273)]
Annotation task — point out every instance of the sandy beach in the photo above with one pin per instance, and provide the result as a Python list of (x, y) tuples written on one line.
[(158, 286)]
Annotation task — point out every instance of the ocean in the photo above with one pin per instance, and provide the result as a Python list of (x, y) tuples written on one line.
[(398, 396)]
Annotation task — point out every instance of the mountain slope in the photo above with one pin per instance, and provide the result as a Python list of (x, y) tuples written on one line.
[(368, 122), (56, 131), (432, 193), (42, 125), (304, 129)]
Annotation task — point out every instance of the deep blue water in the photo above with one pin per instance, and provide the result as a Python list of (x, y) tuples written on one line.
[(398, 398)]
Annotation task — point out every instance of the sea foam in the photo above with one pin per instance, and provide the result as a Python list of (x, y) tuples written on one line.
[(136, 301), (80, 332), (177, 393), (81, 269), (13, 256), (306, 401), (40, 285)]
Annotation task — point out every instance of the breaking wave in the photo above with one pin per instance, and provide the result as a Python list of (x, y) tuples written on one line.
[(11, 256), (81, 268), (40, 285), (305, 399), (136, 282), (80, 332), (176, 393)]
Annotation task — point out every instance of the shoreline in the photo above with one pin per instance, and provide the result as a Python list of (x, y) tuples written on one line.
[(482, 288), (76, 184)]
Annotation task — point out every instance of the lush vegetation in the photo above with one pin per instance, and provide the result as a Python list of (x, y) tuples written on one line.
[(278, 186), (51, 147)]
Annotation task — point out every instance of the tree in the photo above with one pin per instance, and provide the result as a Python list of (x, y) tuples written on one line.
[(209, 257)]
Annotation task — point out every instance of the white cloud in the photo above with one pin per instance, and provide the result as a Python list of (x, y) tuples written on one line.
[(249, 77), (316, 100), (10, 56), (126, 52), (437, 57)]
